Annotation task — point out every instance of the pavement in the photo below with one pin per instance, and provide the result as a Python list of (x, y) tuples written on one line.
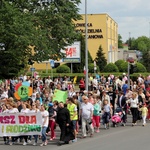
[(115, 138)]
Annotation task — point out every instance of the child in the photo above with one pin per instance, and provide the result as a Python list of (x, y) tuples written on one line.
[(106, 114), (96, 115), (144, 111)]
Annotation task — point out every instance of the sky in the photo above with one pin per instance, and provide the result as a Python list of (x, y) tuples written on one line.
[(132, 16)]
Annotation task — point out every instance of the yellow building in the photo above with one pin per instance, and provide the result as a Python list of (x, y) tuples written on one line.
[(102, 30)]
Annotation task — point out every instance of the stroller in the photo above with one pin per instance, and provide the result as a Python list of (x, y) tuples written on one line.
[(117, 118)]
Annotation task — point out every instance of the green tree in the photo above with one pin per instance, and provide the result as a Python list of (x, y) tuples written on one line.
[(100, 58), (45, 25), (146, 60), (120, 42), (143, 44)]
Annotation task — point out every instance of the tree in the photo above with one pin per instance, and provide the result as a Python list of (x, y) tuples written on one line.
[(143, 44), (100, 58), (146, 60), (36, 30), (120, 42)]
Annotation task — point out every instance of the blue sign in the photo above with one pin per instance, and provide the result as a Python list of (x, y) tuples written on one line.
[(52, 63), (32, 69)]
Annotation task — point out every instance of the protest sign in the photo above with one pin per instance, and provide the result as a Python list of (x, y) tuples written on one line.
[(19, 124), (60, 96), (23, 91)]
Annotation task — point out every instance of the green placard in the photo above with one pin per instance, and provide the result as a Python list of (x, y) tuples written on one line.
[(60, 96)]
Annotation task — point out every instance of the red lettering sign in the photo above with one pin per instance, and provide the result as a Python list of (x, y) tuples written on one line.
[(71, 51)]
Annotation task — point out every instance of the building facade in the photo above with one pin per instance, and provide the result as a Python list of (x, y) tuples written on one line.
[(102, 30)]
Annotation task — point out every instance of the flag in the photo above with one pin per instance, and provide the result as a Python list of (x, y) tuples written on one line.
[(84, 71), (75, 80)]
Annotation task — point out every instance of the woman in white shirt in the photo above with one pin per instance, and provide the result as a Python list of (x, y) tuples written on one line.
[(5, 110), (12, 109), (45, 120), (25, 110), (34, 109), (134, 108)]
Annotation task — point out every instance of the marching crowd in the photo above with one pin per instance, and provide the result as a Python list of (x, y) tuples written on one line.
[(106, 99)]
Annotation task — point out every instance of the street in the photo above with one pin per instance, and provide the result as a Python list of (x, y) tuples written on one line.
[(119, 138)]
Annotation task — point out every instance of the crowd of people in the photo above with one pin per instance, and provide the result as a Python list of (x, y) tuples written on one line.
[(85, 110)]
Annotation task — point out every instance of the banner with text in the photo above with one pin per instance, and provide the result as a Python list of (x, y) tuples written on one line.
[(20, 124)]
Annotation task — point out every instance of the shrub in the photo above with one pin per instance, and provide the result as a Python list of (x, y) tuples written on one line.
[(124, 67), (111, 67), (140, 67), (91, 68), (63, 69), (118, 63)]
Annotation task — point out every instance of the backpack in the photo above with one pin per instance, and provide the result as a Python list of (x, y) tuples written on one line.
[(51, 111)]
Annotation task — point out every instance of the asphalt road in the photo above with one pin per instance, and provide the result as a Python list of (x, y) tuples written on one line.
[(119, 138)]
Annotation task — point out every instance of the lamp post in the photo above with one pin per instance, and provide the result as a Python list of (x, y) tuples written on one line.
[(149, 30), (86, 47), (128, 63)]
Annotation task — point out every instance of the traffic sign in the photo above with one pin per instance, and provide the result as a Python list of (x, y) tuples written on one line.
[(52, 63), (32, 69)]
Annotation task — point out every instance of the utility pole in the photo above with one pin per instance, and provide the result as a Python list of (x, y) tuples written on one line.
[(128, 63), (86, 47)]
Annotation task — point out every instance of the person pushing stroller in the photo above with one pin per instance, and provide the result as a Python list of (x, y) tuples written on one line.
[(122, 107)]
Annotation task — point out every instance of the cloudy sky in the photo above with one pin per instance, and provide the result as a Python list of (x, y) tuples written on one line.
[(131, 15)]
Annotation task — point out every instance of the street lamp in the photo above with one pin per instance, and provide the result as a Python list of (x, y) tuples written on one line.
[(86, 47), (149, 30)]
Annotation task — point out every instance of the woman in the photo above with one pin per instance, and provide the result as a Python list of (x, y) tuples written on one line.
[(45, 120), (12, 109), (52, 115), (133, 101), (96, 115), (82, 85), (25, 110), (5, 110), (34, 109), (71, 92)]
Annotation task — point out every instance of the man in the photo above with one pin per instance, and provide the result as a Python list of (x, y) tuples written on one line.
[(122, 106), (125, 87), (63, 119), (48, 81), (86, 112), (94, 83)]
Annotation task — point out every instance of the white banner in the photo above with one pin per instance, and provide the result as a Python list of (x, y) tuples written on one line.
[(20, 124)]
